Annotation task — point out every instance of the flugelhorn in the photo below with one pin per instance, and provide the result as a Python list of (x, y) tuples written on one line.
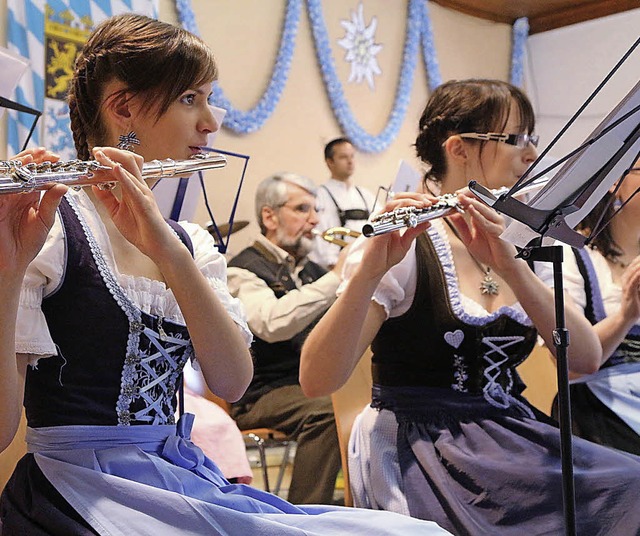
[(16, 177), (332, 234), (409, 217)]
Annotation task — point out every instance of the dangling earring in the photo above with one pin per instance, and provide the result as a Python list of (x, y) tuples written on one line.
[(128, 142), (617, 204)]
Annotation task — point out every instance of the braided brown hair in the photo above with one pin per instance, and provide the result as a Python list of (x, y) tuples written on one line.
[(152, 58), (466, 106)]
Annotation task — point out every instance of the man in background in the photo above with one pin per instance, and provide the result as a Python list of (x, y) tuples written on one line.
[(343, 203), (284, 295)]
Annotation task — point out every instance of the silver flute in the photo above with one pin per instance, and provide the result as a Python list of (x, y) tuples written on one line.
[(16, 177), (447, 204)]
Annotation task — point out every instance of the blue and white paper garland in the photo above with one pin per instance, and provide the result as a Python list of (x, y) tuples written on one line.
[(419, 32), (246, 122), (519, 37)]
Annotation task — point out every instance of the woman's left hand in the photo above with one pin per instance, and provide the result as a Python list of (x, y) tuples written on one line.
[(480, 232), (385, 250), (135, 212), (36, 155), (630, 301)]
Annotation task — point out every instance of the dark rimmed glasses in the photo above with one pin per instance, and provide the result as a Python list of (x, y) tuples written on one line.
[(521, 141)]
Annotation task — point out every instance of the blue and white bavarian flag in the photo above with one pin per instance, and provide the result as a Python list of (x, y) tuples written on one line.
[(50, 33)]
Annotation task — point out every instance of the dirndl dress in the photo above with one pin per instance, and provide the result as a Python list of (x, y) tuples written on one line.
[(105, 455), (449, 437)]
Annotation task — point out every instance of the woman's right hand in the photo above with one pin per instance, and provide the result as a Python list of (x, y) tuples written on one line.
[(134, 211), (25, 222), (26, 218), (387, 250)]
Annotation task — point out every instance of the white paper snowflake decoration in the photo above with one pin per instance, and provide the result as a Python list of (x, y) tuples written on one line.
[(361, 48)]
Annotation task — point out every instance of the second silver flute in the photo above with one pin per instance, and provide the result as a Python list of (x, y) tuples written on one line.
[(409, 217), (403, 217), (18, 178)]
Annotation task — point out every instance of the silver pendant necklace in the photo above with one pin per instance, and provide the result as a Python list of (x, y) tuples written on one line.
[(488, 285)]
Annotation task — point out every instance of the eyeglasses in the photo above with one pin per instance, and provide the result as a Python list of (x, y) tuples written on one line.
[(521, 141), (304, 209)]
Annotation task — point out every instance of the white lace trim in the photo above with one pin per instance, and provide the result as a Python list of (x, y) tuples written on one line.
[(153, 297), (443, 250), (31, 297), (35, 352)]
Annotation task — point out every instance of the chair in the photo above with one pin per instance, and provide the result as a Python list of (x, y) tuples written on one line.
[(539, 374), (348, 402), (262, 439)]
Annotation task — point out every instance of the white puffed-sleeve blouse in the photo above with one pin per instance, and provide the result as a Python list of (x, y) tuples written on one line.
[(45, 274)]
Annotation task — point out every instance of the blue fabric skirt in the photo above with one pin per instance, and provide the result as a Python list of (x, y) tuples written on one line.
[(478, 469), (152, 480)]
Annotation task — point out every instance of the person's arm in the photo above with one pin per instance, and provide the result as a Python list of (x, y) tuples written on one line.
[(481, 235), (276, 319), (218, 344), (25, 221), (614, 328), (337, 342), (11, 374), (335, 345)]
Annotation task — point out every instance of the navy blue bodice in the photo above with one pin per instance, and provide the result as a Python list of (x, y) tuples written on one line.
[(116, 365)]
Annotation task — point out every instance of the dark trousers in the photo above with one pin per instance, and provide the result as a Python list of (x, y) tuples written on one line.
[(311, 423), (594, 421)]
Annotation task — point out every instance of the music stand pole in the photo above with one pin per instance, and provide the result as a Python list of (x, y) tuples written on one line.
[(9, 104), (572, 193), (554, 255)]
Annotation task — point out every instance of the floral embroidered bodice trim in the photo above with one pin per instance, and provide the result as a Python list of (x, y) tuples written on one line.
[(496, 393), (154, 358)]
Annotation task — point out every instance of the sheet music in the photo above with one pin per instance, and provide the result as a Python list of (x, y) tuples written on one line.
[(576, 171), (584, 165), (407, 179), (13, 66)]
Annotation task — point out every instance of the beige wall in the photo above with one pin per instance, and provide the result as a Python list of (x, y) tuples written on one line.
[(294, 137), (244, 35)]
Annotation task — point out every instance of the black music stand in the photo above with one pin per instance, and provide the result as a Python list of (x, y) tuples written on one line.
[(213, 228), (587, 174), (10, 105)]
